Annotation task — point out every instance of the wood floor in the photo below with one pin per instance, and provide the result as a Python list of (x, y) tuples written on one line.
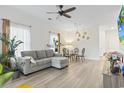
[(78, 75)]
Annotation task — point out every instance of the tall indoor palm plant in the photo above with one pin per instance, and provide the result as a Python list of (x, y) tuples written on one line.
[(5, 71), (11, 43)]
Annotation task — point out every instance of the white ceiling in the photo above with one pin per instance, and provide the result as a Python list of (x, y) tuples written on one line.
[(86, 15)]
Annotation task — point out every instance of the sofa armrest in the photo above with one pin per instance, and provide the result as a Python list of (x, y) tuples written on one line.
[(57, 54), (23, 63), (23, 60)]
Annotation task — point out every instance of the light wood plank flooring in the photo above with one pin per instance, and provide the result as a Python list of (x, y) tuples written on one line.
[(78, 75)]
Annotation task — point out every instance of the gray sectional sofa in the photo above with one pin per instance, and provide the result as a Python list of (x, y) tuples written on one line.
[(43, 59)]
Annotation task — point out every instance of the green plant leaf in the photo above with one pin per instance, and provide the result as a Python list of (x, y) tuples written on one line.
[(5, 77), (1, 69), (17, 43), (3, 58)]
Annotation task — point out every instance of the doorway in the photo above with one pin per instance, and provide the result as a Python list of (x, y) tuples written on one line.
[(108, 40)]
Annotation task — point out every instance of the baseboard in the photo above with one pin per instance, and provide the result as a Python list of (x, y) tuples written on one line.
[(93, 58)]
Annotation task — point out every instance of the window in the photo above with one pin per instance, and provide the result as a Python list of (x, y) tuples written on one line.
[(22, 33)]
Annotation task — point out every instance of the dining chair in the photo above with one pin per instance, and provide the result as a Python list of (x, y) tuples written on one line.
[(66, 52), (82, 55), (76, 52)]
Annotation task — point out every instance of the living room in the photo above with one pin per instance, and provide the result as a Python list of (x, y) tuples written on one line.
[(87, 28)]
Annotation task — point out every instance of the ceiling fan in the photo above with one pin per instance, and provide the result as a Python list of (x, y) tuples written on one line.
[(62, 12)]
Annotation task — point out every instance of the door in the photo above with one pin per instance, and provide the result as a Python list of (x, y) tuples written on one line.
[(108, 40)]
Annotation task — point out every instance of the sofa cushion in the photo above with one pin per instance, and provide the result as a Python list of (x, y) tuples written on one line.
[(49, 53), (43, 61), (41, 54), (29, 53)]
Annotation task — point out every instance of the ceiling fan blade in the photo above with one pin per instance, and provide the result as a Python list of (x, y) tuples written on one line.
[(69, 10), (66, 15), (52, 12)]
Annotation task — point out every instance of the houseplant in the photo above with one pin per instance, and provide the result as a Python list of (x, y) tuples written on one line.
[(12, 45), (4, 75), (56, 42)]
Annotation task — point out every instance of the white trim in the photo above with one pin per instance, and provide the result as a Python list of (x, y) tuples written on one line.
[(92, 58)]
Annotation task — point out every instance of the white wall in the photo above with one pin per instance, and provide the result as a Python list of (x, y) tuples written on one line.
[(102, 41), (112, 40), (91, 45), (109, 41), (122, 49), (39, 32)]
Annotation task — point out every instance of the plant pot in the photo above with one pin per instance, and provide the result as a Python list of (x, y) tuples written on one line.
[(16, 75)]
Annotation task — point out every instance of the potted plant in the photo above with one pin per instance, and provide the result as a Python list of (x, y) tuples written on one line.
[(56, 44), (11, 43), (10, 55)]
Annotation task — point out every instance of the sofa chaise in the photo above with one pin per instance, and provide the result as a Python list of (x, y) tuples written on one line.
[(41, 59)]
